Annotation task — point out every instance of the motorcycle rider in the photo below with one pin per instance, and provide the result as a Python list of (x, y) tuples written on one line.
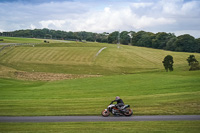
[(120, 103)]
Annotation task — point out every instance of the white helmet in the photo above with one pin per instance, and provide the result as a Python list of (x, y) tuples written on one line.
[(117, 98)]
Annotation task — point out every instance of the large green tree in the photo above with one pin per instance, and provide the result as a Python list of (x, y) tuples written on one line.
[(171, 44), (186, 43), (113, 37), (136, 37), (168, 63), (198, 45), (161, 40), (146, 39), (124, 38), (102, 37)]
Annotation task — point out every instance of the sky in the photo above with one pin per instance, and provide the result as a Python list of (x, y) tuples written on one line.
[(171, 16)]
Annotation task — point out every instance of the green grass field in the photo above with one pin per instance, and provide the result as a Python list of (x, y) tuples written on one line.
[(79, 58), (135, 74), (19, 40), (102, 127), (147, 93)]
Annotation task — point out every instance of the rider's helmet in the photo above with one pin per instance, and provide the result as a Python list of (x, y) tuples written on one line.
[(117, 98)]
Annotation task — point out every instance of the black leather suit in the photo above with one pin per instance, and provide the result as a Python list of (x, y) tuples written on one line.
[(120, 103)]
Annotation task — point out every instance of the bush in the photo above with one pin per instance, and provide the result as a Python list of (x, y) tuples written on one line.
[(191, 59), (1, 39), (46, 41), (193, 63), (194, 66)]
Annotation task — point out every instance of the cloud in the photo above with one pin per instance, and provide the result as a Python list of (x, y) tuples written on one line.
[(178, 7), (141, 5), (56, 23), (145, 21), (102, 16), (32, 26), (191, 32), (30, 1)]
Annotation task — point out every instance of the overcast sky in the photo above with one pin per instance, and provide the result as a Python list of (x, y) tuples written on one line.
[(174, 16)]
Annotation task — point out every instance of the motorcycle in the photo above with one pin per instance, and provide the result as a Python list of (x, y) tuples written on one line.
[(126, 111)]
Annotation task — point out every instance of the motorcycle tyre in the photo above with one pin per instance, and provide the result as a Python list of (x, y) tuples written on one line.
[(105, 113), (130, 112)]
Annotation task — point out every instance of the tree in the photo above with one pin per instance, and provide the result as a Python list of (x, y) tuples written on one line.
[(193, 63), (194, 66), (136, 37), (168, 63), (124, 38), (146, 39), (191, 59), (112, 37), (186, 43), (198, 45), (161, 40), (171, 44)]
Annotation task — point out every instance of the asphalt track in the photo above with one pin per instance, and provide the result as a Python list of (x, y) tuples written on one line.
[(98, 118)]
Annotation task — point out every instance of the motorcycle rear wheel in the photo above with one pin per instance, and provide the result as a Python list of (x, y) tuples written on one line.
[(128, 112), (105, 113)]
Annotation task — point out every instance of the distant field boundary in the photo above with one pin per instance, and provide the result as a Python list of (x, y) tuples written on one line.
[(16, 44)]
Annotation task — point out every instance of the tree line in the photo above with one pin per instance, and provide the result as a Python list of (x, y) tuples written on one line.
[(160, 40)]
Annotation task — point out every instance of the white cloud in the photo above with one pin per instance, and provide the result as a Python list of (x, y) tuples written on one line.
[(141, 5), (191, 32), (107, 9), (178, 7), (56, 23), (111, 19), (2, 30), (156, 15), (145, 21), (32, 26)]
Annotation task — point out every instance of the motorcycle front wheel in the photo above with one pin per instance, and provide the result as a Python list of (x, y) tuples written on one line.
[(105, 113), (128, 112)]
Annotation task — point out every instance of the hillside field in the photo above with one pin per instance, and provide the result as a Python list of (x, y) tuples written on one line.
[(19, 40), (69, 78), (80, 59), (134, 73)]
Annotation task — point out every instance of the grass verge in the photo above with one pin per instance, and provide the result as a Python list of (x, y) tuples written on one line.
[(99, 127)]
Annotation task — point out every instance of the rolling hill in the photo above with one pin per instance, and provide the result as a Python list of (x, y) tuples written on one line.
[(134, 73), (80, 59)]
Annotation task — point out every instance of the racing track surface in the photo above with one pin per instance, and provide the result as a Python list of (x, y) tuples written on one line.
[(98, 118)]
